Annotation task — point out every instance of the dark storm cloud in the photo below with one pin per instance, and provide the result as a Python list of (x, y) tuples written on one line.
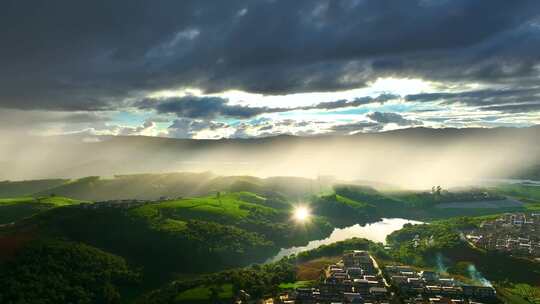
[(507, 100), (203, 107), (33, 118), (18, 121), (187, 128), (91, 55), (515, 108), (379, 120), (389, 117), (331, 105), (355, 127), (207, 107)]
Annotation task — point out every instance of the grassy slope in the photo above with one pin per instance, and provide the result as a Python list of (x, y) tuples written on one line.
[(203, 293), (154, 186), (520, 293), (528, 194), (15, 209), (228, 206), (23, 188), (311, 270), (226, 209), (343, 211), (350, 202), (136, 186), (16, 200), (297, 284), (243, 210)]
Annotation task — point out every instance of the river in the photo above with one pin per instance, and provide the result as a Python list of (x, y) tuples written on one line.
[(375, 232)]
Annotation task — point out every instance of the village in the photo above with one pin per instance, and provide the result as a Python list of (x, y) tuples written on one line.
[(514, 233), (357, 278), (426, 286)]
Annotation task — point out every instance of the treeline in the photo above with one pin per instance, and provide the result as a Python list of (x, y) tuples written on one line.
[(351, 202), (279, 231), (440, 196), (257, 281), (359, 204), (200, 246), (421, 244), (64, 272), (338, 248), (260, 281), (342, 210), (366, 194)]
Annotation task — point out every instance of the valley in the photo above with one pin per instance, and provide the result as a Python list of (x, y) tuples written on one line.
[(270, 152), (234, 222)]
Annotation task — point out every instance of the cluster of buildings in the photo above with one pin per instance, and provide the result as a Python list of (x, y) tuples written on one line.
[(514, 233), (429, 287), (355, 279), (358, 279)]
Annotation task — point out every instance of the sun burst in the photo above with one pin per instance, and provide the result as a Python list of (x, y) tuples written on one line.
[(301, 214)]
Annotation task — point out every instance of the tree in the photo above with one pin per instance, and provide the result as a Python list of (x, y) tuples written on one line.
[(214, 293)]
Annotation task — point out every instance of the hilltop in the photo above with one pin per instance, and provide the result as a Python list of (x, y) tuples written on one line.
[(15, 209), (329, 197), (165, 185)]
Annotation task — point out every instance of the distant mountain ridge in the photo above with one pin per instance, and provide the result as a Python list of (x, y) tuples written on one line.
[(499, 152)]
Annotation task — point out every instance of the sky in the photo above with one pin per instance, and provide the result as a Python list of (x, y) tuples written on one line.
[(240, 69)]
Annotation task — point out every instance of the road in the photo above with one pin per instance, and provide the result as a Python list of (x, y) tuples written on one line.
[(379, 270)]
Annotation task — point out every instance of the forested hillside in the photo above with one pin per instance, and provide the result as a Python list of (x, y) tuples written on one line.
[(62, 272)]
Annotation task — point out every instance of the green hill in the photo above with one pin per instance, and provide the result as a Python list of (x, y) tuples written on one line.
[(226, 208), (171, 185), (344, 211), (24, 188), (243, 210), (422, 205), (63, 272), (137, 186), (161, 248), (15, 209), (278, 191), (192, 235), (524, 192)]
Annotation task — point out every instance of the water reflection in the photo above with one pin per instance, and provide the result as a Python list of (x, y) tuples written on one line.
[(376, 232)]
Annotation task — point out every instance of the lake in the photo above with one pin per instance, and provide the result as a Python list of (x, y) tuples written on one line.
[(375, 232)]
